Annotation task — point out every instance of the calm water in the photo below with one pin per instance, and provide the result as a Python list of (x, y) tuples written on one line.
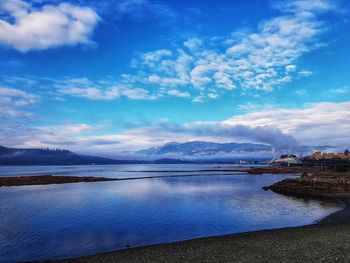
[(115, 171), (58, 221)]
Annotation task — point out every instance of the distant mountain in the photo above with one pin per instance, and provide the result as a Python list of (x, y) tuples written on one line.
[(205, 149), (13, 156), (169, 161), (170, 153), (211, 150)]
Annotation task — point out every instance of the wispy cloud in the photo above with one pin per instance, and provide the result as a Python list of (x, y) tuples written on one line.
[(278, 127), (103, 90), (71, 128), (206, 68), (258, 60), (25, 27), (305, 73), (178, 93), (336, 92), (266, 134), (315, 124), (303, 7), (14, 101)]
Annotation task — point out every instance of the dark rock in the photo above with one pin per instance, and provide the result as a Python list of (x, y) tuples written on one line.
[(313, 185)]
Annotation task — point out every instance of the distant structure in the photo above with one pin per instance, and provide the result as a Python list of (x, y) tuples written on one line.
[(286, 160), (330, 156)]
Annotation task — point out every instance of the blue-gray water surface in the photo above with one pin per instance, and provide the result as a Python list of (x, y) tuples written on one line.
[(69, 220)]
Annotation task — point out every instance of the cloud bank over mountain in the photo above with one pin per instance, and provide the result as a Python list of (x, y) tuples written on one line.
[(112, 76), (318, 124)]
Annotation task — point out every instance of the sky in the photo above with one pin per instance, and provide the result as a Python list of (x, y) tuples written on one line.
[(120, 75)]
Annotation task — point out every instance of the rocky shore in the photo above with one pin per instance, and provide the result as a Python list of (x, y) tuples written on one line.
[(48, 179), (321, 184)]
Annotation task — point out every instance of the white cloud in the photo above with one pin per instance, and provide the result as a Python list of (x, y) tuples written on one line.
[(13, 101), (70, 129), (322, 123), (291, 68), (305, 73), (102, 90), (209, 68), (135, 93), (77, 128), (177, 93), (151, 58), (251, 106), (94, 93), (50, 26), (212, 95), (193, 43), (319, 123), (338, 91), (304, 6), (260, 60)]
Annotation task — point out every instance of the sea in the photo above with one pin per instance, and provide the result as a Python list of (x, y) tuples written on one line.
[(70, 220)]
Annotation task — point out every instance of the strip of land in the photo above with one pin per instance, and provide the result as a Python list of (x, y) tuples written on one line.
[(48, 179), (54, 179)]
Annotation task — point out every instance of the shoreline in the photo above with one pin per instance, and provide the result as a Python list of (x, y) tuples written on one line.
[(57, 179), (327, 240), (340, 217), (321, 184)]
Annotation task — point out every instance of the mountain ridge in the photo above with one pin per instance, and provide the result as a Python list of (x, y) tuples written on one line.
[(169, 153), (203, 148), (35, 156), (213, 150)]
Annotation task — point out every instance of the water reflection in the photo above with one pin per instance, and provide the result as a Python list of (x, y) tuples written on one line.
[(57, 221), (115, 171)]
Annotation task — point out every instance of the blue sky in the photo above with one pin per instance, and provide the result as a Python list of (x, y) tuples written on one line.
[(108, 76)]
